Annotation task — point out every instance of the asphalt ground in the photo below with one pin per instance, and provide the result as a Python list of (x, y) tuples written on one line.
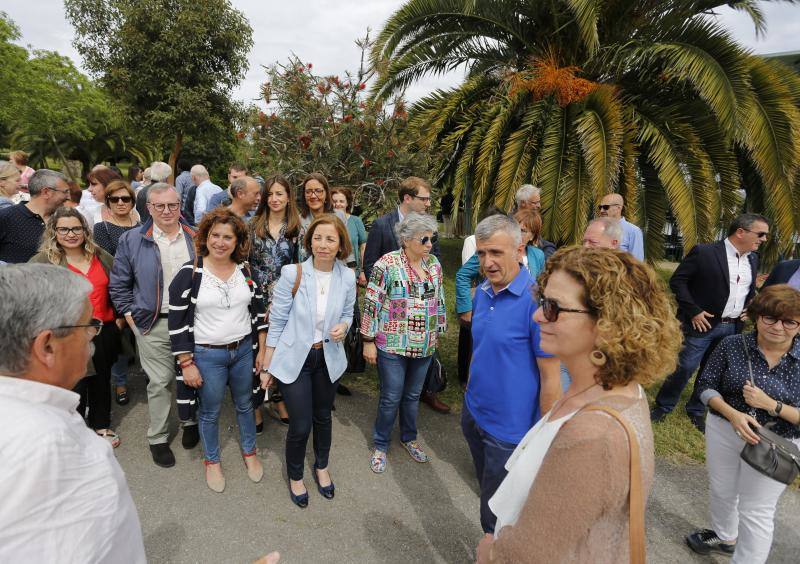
[(412, 513)]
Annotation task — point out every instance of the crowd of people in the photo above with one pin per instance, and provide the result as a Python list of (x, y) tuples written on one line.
[(256, 288)]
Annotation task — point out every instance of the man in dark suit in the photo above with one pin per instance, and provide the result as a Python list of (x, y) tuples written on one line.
[(785, 272), (414, 196), (712, 286)]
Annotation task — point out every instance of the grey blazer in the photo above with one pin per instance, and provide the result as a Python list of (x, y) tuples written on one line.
[(291, 320)]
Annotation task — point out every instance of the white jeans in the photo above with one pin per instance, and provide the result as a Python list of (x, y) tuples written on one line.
[(742, 501)]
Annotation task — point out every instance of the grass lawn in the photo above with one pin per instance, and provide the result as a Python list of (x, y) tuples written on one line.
[(675, 438)]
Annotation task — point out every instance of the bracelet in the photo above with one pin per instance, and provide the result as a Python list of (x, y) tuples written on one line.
[(186, 363), (367, 339)]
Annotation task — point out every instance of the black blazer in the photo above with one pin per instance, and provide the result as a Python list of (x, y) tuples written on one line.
[(781, 272), (702, 283), (382, 239)]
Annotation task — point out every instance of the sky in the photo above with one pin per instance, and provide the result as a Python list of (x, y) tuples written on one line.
[(323, 32)]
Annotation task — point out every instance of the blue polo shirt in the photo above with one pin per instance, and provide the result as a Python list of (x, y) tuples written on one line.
[(503, 390)]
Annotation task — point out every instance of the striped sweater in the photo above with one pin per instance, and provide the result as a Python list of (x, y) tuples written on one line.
[(182, 299)]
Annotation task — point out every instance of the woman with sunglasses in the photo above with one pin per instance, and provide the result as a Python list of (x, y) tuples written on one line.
[(403, 314), (120, 200), (609, 319), (67, 241), (749, 381), (93, 208)]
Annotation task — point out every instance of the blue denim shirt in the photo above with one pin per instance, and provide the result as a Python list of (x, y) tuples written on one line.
[(727, 372)]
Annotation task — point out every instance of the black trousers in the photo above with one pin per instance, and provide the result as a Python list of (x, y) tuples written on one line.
[(464, 353), (309, 400), (95, 390)]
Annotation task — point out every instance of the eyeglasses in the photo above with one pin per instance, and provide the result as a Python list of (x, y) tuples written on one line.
[(118, 199), (67, 230), (161, 207), (65, 191), (315, 192), (759, 234), (606, 207), (424, 240), (789, 324), (551, 309), (423, 198), (93, 328)]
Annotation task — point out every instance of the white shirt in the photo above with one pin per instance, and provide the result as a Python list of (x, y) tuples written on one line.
[(221, 314), (740, 277), (322, 282), (174, 254), (63, 496), (469, 249), (202, 195), (89, 207)]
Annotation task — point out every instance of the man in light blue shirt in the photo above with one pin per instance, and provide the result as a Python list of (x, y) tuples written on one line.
[(224, 198), (205, 190), (632, 239)]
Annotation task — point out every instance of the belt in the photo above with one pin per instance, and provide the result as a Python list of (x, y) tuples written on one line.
[(230, 346), (729, 320), (317, 345)]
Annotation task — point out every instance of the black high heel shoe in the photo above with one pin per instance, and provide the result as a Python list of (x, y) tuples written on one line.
[(326, 491), (301, 500)]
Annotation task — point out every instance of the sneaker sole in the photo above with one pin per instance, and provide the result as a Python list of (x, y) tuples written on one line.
[(705, 550)]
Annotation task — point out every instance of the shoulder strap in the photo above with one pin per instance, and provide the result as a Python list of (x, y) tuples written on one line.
[(636, 495), (297, 279)]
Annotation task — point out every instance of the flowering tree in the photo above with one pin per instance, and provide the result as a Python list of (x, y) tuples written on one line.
[(310, 122)]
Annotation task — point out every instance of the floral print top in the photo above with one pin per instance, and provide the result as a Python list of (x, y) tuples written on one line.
[(268, 256), (403, 312)]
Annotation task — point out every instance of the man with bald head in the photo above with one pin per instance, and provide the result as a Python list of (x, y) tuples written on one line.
[(602, 233), (632, 240)]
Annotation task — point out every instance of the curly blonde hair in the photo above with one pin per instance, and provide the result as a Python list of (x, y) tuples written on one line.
[(635, 315), (50, 246)]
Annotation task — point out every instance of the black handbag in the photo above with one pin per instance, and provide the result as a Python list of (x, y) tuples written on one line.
[(354, 345), (436, 379), (773, 456)]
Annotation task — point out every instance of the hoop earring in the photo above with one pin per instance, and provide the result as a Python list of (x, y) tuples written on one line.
[(598, 358)]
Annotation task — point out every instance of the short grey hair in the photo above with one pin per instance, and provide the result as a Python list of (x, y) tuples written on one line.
[(497, 224), (44, 178), (526, 192), (611, 227), (160, 171), (415, 223), (199, 171), (146, 175), (60, 299), (158, 188), (239, 184)]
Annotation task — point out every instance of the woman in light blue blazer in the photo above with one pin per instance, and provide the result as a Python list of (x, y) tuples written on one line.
[(312, 308)]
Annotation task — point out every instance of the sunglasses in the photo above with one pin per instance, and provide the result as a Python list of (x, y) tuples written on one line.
[(551, 309), (759, 234), (118, 199), (606, 207), (424, 240), (789, 324)]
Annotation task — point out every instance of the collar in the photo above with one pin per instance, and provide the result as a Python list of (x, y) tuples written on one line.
[(622, 220), (732, 251), (399, 214), (517, 286), (158, 234), (34, 392)]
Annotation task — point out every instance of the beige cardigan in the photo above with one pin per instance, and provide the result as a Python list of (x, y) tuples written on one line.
[(577, 508)]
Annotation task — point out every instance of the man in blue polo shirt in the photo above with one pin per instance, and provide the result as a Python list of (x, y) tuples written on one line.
[(512, 382)]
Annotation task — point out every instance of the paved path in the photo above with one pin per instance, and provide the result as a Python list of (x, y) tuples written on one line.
[(412, 513)]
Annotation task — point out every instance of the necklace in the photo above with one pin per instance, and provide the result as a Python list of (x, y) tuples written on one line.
[(564, 400), (320, 285)]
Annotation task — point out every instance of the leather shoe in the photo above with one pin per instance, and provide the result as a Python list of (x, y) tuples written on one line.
[(301, 500), (699, 423), (343, 390), (432, 400), (657, 415), (215, 481), (162, 455), (191, 436), (325, 491)]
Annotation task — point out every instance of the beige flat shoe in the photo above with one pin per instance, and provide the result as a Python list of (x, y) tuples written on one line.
[(255, 470), (214, 479)]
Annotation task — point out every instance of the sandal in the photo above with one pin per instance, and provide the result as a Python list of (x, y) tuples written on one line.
[(122, 397), (272, 412), (377, 462), (110, 436)]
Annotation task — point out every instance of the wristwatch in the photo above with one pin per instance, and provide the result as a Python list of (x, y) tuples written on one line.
[(777, 410)]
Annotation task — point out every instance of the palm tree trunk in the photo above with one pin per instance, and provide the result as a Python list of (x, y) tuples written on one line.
[(61, 156), (173, 157)]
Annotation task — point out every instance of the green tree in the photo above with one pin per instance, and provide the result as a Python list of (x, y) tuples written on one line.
[(327, 124), (170, 63), (650, 98)]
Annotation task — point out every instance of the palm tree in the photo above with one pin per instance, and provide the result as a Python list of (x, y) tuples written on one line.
[(649, 98)]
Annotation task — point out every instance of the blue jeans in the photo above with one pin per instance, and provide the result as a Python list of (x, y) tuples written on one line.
[(489, 455), (119, 371), (220, 368), (401, 379), (695, 348)]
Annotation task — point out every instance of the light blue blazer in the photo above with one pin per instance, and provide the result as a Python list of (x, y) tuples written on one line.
[(291, 321)]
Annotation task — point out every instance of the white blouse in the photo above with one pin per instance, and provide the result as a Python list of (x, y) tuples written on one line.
[(222, 314), (323, 285)]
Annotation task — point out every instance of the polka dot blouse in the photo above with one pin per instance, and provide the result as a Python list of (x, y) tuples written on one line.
[(727, 372)]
